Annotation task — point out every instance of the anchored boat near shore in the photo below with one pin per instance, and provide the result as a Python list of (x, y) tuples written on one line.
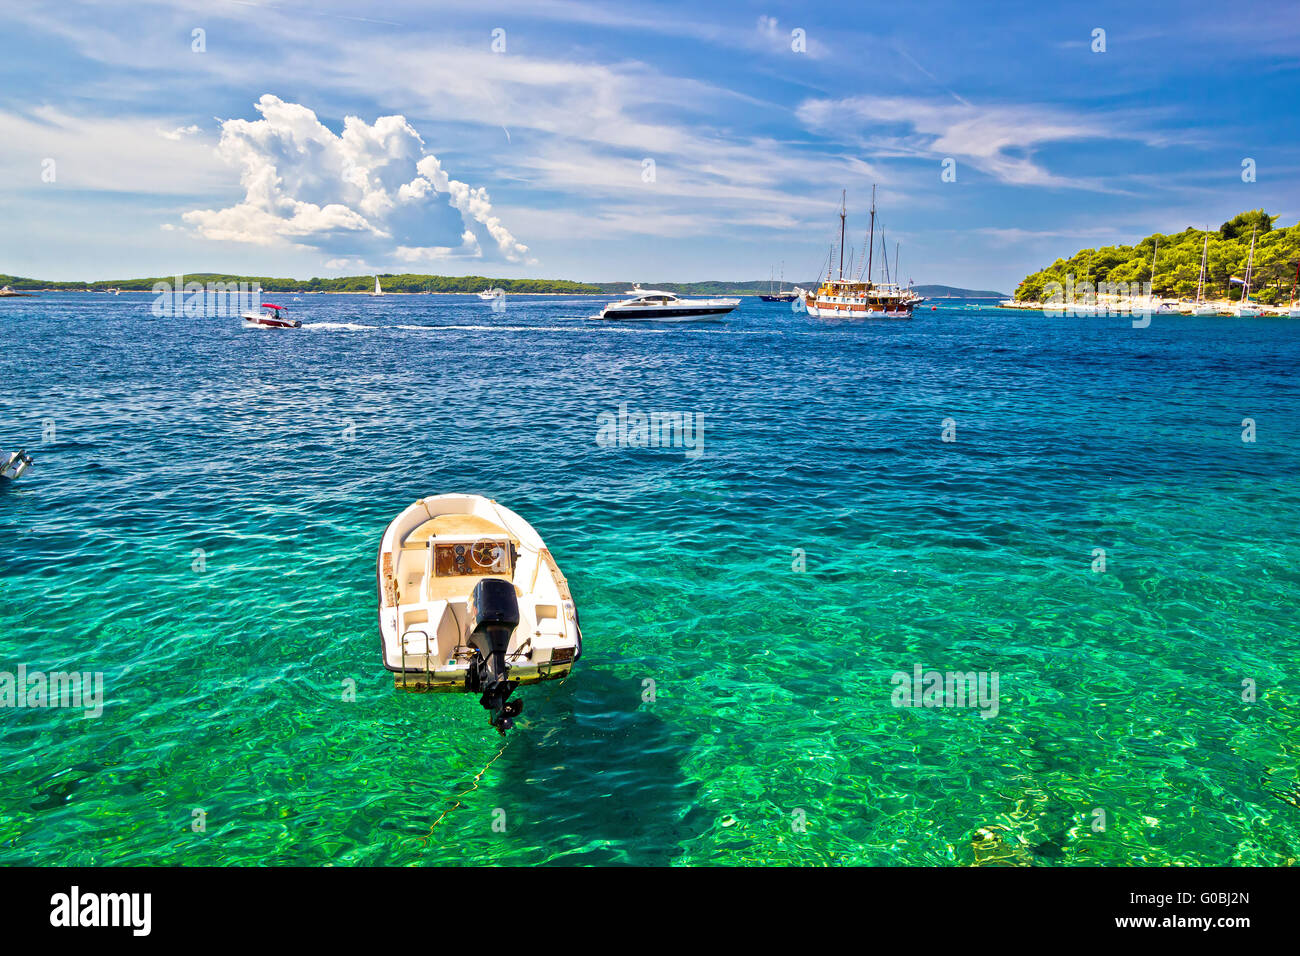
[(471, 601)]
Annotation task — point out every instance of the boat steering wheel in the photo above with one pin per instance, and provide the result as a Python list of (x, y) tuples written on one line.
[(486, 554)]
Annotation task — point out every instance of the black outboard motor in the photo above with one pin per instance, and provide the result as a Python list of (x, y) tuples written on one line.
[(493, 617)]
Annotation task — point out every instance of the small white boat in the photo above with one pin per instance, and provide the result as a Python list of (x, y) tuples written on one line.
[(13, 466), (471, 600), (378, 290), (487, 295), (654, 305), (271, 317)]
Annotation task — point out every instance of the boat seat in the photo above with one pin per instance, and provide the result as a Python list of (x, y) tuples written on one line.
[(427, 628)]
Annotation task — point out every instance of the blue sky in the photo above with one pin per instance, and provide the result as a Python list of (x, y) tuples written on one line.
[(331, 139)]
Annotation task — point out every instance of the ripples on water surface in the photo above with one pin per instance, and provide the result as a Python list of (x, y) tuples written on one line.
[(1120, 691)]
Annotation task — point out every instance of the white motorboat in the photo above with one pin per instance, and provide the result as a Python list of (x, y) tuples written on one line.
[(471, 600), (271, 317), (13, 466), (487, 295), (654, 305)]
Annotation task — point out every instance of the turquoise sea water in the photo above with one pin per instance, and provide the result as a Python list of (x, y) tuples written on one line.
[(772, 735)]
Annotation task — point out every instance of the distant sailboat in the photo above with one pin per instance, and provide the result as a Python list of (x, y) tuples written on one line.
[(1202, 307), (782, 296), (378, 290), (1245, 307)]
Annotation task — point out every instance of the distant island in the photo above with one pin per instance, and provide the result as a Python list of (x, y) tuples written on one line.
[(953, 292), (413, 283), (1178, 262)]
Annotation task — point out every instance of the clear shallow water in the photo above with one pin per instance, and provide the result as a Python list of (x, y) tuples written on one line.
[(1119, 691)]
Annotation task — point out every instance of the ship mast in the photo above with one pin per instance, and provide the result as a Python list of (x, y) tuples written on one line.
[(843, 212), (871, 242), (1200, 283), (1250, 265)]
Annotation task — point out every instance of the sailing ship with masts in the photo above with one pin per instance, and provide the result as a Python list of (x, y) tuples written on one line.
[(846, 297), (782, 296)]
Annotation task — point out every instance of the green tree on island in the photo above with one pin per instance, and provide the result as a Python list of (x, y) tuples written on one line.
[(1178, 264)]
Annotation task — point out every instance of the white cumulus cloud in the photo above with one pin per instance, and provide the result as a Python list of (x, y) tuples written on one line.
[(372, 190)]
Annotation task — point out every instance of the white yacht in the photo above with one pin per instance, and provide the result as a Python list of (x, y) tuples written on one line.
[(487, 295), (378, 290), (471, 600), (654, 305), (13, 466)]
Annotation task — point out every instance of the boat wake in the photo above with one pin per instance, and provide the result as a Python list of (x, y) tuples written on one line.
[(624, 326), (339, 327)]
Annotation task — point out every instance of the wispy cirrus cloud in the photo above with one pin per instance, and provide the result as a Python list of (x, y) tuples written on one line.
[(999, 141)]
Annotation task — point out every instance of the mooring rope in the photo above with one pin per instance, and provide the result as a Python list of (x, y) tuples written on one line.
[(479, 776), (473, 786)]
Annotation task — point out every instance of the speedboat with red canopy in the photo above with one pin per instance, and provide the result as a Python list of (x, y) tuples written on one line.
[(271, 317)]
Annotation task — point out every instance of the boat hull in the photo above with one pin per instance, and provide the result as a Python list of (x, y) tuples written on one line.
[(269, 322), (659, 315), (850, 310)]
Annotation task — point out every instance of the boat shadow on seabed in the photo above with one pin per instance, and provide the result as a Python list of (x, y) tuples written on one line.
[(597, 766)]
